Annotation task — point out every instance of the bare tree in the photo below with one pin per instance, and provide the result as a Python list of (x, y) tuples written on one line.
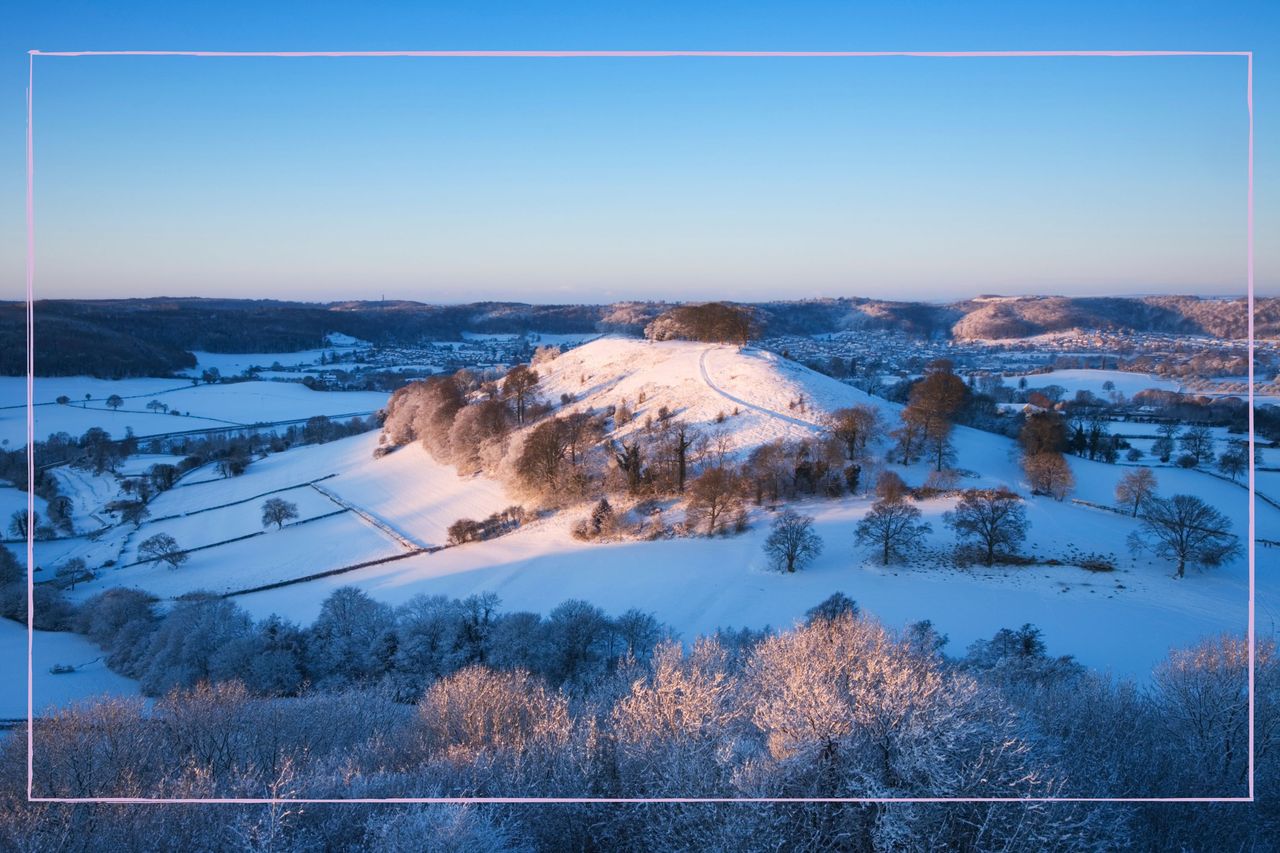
[(1185, 529), (1198, 442), (792, 542), (518, 385), (1234, 461), (892, 527), (890, 486), (856, 427), (72, 572), (277, 511), (542, 456), (20, 525), (713, 496), (161, 548), (1049, 474), (993, 518), (1135, 488), (933, 403), (1043, 432), (134, 512), (115, 401)]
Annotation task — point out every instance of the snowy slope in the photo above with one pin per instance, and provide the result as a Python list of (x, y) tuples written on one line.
[(91, 678), (385, 507), (699, 382)]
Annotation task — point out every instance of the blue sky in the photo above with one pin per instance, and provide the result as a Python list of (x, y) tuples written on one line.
[(574, 180)]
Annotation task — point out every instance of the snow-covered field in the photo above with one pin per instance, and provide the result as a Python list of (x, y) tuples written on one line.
[(49, 648), (405, 496), (1092, 380), (201, 406)]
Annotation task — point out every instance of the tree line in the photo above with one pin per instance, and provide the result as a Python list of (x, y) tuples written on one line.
[(836, 706)]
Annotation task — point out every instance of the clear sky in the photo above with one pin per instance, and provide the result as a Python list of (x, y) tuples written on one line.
[(571, 180)]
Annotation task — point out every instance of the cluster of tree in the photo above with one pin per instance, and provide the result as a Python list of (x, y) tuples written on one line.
[(712, 322), (469, 530), (1043, 438), (927, 421), (839, 706), (51, 610), (356, 641)]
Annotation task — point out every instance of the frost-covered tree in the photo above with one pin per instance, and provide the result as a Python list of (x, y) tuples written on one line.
[(1203, 698), (792, 542), (181, 650), (11, 571), (994, 519), (477, 711), (1135, 488), (1185, 530), (891, 527), (277, 511), (161, 548), (341, 643), (675, 722), (848, 708)]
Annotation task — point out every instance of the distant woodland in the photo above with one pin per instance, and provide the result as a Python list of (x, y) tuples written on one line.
[(155, 337)]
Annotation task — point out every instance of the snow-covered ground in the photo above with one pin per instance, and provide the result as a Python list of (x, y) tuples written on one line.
[(50, 648), (201, 406), (405, 496), (1084, 379), (1123, 621), (700, 384)]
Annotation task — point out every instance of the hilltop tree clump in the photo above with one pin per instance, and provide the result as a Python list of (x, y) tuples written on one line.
[(713, 322)]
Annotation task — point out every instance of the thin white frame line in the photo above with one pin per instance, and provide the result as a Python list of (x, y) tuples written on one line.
[(1248, 55)]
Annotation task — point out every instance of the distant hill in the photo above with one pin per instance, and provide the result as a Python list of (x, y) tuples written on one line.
[(153, 337), (1002, 318)]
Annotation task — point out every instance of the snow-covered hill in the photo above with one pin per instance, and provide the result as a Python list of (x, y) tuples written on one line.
[(392, 506), (703, 384)]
